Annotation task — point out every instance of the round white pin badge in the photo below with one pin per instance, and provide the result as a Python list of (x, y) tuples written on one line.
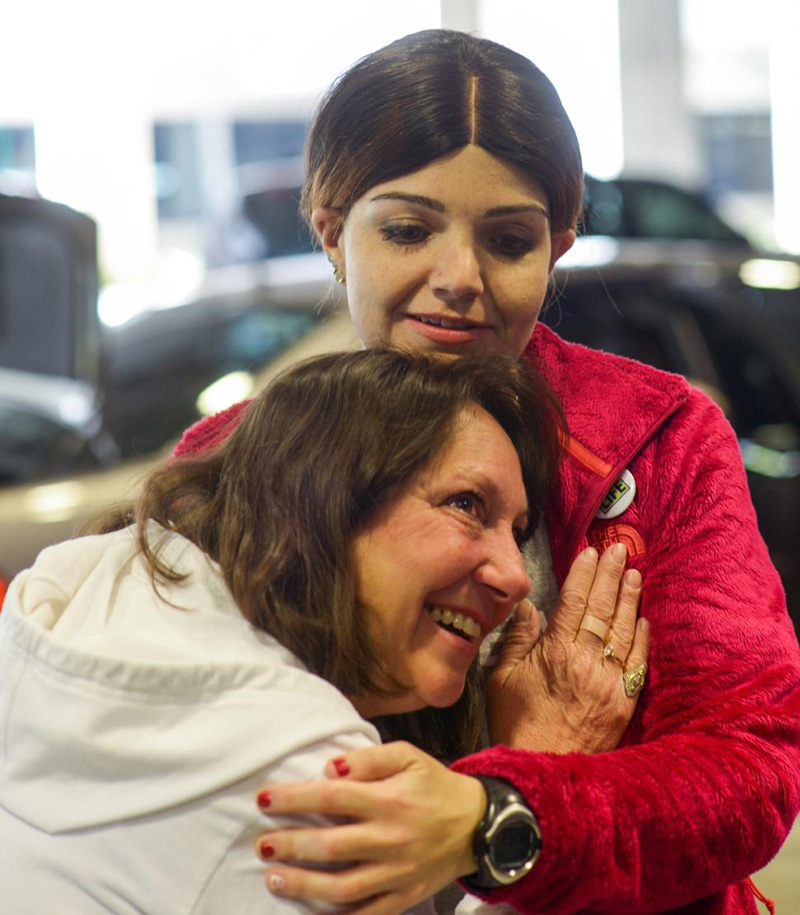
[(619, 497)]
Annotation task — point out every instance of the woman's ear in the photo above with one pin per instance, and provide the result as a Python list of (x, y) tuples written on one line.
[(327, 222), (560, 243)]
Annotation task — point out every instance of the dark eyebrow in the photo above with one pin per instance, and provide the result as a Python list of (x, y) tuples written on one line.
[(416, 199), (436, 205), (520, 208)]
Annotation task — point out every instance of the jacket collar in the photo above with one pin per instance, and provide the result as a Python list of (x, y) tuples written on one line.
[(612, 407)]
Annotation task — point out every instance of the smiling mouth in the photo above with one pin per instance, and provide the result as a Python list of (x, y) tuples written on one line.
[(463, 626), (447, 323)]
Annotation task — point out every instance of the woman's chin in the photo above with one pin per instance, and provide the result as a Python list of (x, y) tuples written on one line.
[(438, 695), (442, 694)]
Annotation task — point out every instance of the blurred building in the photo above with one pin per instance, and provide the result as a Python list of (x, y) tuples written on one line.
[(161, 126)]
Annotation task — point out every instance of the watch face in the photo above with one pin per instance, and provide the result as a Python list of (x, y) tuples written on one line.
[(513, 846)]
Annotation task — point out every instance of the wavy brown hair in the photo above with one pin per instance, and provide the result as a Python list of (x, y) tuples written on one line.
[(325, 446)]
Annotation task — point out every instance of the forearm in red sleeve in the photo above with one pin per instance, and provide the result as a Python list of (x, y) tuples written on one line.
[(711, 788), (652, 827)]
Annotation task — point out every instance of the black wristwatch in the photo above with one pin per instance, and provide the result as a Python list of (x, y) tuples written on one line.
[(507, 840)]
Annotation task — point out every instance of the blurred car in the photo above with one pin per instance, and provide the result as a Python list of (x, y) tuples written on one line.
[(164, 370), (48, 289), (51, 426), (160, 363), (646, 208)]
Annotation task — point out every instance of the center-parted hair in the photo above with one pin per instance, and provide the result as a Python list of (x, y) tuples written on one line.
[(322, 449), (430, 94)]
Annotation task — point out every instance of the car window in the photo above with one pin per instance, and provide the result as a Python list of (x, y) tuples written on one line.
[(159, 365), (659, 211), (629, 208)]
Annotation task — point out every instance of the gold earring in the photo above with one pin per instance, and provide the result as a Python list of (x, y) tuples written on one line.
[(337, 273)]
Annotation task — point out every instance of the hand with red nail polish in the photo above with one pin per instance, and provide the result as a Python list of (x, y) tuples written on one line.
[(410, 827)]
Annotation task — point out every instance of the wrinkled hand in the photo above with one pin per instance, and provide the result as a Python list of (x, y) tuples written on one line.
[(558, 692), (411, 830)]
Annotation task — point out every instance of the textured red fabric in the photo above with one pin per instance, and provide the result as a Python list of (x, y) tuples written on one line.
[(707, 783), (210, 432)]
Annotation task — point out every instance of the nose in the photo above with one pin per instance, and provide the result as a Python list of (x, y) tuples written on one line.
[(456, 273), (502, 571)]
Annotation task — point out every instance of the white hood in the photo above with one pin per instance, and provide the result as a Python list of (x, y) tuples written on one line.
[(98, 673)]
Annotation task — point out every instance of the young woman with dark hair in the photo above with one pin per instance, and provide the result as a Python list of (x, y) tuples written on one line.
[(444, 181), (246, 616)]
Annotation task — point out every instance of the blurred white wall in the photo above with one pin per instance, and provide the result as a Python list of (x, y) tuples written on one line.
[(576, 43), (785, 108), (659, 136), (92, 77), (740, 60)]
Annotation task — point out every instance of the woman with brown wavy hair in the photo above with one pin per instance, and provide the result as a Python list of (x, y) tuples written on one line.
[(249, 613)]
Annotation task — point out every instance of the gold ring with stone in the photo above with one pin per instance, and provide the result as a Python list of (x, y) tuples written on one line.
[(608, 652), (634, 680)]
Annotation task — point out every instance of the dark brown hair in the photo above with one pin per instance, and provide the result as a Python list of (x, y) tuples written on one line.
[(324, 447), (432, 93)]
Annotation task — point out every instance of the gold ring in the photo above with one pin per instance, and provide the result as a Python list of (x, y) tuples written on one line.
[(634, 680), (595, 625), (608, 652)]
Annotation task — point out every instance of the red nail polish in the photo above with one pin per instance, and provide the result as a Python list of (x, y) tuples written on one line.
[(263, 799), (266, 849), (341, 767)]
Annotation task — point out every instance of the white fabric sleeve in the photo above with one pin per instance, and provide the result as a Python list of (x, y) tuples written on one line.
[(237, 882)]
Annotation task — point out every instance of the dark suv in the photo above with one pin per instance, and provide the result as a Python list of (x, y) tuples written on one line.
[(727, 320)]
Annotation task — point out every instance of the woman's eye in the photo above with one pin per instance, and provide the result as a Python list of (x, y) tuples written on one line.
[(405, 233), (513, 245), (468, 502)]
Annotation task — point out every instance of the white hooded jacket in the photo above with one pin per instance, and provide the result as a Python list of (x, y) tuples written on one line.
[(135, 731)]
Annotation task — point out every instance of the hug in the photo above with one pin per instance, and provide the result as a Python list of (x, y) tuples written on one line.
[(318, 570), (252, 613)]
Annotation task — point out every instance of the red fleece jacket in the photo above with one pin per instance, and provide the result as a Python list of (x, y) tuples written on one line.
[(706, 784)]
